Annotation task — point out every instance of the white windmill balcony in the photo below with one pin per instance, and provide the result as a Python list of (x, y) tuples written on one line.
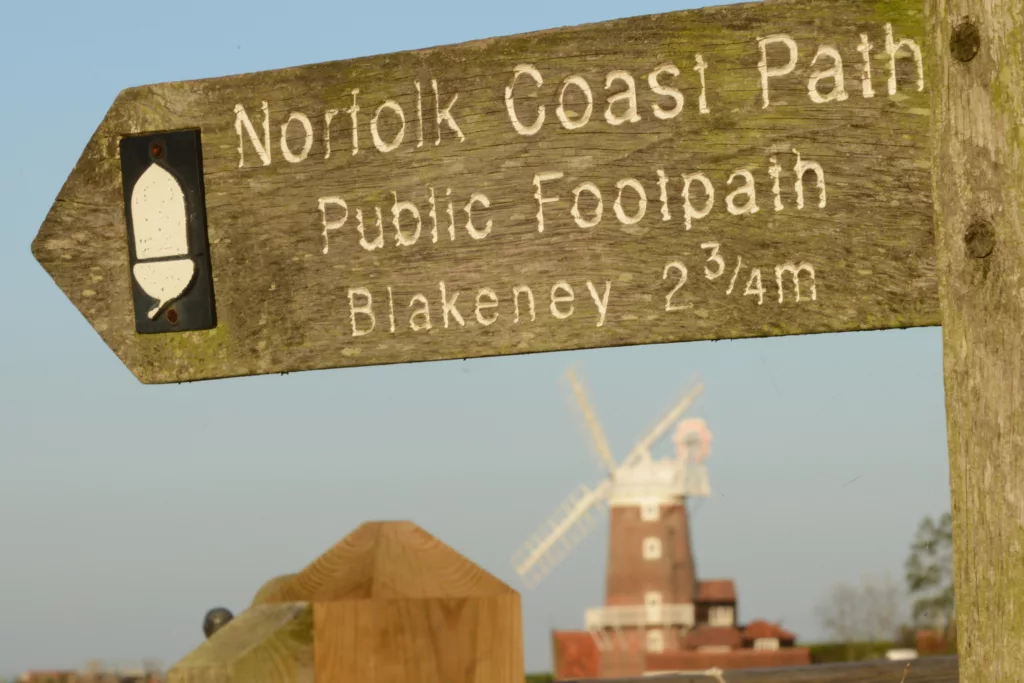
[(667, 481), (639, 616)]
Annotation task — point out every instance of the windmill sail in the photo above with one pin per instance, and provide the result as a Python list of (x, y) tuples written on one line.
[(642, 450), (595, 428), (564, 530)]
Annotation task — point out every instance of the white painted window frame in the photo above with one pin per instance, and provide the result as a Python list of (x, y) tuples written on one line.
[(655, 641), (651, 549)]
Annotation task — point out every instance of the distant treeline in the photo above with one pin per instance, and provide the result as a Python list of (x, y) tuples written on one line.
[(830, 653)]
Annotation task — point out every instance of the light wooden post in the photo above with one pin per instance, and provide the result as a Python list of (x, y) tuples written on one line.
[(388, 604), (977, 67)]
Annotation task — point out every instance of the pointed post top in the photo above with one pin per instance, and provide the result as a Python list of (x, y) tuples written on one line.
[(387, 560)]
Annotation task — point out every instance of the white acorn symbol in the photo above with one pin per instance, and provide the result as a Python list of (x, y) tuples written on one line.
[(161, 232)]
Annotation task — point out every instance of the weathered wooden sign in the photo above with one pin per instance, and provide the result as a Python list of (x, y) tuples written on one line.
[(739, 171)]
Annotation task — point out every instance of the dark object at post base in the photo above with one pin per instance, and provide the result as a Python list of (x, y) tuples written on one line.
[(216, 619)]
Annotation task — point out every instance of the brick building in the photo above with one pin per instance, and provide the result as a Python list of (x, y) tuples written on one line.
[(658, 617)]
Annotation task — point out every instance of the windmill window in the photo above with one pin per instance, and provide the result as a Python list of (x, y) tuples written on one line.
[(652, 604), (652, 548), (655, 641), (649, 512)]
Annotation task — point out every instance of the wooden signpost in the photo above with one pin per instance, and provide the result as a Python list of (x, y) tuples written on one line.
[(740, 171)]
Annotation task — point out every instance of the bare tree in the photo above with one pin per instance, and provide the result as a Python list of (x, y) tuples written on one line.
[(840, 616), (870, 610), (883, 605)]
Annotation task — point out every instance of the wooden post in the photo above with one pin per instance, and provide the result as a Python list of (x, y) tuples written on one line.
[(271, 643), (388, 604), (977, 68)]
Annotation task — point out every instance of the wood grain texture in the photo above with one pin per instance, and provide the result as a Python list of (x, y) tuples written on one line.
[(270, 588), (435, 640), (979, 212), (284, 305), (925, 670), (264, 644)]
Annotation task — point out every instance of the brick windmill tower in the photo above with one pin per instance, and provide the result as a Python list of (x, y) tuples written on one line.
[(651, 579)]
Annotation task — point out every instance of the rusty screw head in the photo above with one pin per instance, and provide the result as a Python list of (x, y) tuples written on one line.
[(980, 239), (172, 316), (965, 41)]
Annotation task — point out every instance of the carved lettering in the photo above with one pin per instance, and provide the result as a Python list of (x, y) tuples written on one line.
[(794, 270), (307, 138), (510, 105), (262, 147), (754, 286), (681, 269), (768, 72), (665, 91), (572, 122), (361, 228), (893, 48), (486, 304)]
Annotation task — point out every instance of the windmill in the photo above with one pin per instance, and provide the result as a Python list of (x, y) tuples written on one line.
[(651, 579)]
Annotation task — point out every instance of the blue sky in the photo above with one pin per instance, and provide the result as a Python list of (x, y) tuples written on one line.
[(127, 511)]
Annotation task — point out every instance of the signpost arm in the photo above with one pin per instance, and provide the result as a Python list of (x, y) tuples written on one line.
[(978, 131)]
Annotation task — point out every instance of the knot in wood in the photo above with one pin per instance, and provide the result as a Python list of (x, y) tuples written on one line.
[(965, 41), (980, 239)]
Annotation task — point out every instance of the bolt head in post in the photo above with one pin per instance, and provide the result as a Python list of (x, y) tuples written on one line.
[(980, 239), (216, 619), (965, 42)]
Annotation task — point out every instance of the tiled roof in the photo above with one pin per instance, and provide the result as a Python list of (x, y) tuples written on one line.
[(713, 635), (576, 655), (763, 629), (716, 590)]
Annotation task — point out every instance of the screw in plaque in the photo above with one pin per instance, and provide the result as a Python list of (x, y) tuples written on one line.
[(216, 619)]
